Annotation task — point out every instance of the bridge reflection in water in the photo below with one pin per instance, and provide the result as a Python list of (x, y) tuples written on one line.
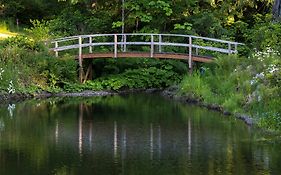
[(147, 139)]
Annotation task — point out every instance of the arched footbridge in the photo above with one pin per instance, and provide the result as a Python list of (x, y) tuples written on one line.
[(143, 45)]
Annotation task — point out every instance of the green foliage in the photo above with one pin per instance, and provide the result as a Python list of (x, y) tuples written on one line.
[(24, 42), (141, 78), (242, 85), (40, 30), (264, 35), (25, 69), (195, 87), (186, 26)]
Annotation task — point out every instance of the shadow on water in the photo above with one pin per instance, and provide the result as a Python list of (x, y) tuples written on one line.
[(130, 134)]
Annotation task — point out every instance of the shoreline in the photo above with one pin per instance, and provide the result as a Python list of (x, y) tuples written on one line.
[(170, 93)]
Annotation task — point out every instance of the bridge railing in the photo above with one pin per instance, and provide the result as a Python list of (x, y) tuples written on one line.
[(153, 43), (121, 42)]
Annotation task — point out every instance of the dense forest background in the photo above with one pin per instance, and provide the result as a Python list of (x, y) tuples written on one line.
[(247, 21)]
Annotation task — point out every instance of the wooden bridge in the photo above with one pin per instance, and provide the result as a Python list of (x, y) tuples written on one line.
[(143, 45)]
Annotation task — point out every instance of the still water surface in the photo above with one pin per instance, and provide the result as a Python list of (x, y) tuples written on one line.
[(131, 134)]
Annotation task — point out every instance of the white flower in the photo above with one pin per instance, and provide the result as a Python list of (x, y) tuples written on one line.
[(11, 89), (260, 75), (1, 72), (252, 82), (272, 68)]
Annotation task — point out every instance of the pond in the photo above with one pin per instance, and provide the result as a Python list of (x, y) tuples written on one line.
[(129, 134)]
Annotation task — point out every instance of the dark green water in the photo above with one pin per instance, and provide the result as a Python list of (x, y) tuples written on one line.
[(132, 134)]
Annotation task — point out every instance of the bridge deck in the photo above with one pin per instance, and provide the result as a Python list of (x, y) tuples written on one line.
[(178, 56)]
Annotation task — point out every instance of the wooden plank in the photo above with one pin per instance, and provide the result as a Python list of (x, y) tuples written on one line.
[(88, 72), (147, 55)]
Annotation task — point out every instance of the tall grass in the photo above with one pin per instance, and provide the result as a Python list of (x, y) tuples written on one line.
[(242, 85)]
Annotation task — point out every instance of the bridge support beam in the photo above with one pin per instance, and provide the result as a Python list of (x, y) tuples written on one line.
[(89, 72)]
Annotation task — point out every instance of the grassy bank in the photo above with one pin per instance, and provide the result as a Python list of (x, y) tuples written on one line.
[(248, 85)]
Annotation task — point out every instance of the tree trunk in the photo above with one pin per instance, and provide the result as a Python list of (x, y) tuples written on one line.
[(276, 9)]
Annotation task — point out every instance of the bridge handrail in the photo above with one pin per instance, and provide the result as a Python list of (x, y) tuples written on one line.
[(143, 34), (76, 46), (187, 42)]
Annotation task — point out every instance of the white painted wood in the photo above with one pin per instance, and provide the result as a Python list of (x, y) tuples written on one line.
[(56, 47), (190, 54), (90, 44), (152, 46), (160, 43), (115, 45), (125, 44), (80, 59), (80, 51)]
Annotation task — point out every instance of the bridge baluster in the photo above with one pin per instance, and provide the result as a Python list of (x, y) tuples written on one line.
[(152, 46), (115, 45), (80, 59), (56, 47), (160, 43), (90, 42)]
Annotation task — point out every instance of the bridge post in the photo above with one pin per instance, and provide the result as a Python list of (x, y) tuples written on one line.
[(90, 42), (160, 42), (190, 55), (80, 60), (229, 48), (115, 45), (56, 46), (152, 47)]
